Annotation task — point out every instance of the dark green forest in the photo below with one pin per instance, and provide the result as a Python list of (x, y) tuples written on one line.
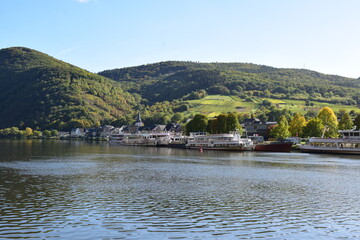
[(39, 91), (174, 80)]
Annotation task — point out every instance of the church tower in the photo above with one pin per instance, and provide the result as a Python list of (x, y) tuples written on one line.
[(138, 121)]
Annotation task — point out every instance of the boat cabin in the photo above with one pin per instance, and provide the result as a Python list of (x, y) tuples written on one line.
[(350, 134)]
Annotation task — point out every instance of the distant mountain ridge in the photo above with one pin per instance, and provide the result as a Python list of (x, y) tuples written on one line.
[(174, 79), (39, 91)]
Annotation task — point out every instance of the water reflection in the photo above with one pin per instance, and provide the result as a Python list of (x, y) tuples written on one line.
[(59, 189)]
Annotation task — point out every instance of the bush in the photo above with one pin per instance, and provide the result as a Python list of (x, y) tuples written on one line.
[(181, 108), (47, 133)]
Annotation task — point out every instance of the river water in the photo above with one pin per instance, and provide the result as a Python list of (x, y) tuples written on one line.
[(81, 190)]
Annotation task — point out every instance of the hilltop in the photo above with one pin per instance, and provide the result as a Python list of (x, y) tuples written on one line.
[(176, 79), (39, 91)]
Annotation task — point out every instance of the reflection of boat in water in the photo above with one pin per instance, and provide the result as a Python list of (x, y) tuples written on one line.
[(274, 146), (347, 143), (228, 142)]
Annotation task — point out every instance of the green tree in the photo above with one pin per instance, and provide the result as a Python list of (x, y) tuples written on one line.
[(47, 133), (297, 124), (233, 123), (177, 117), (357, 122), (281, 130), (221, 123), (212, 126), (346, 122), (37, 133), (266, 103), (197, 124), (54, 133), (329, 120), (310, 114), (165, 119), (313, 128), (15, 132), (340, 113)]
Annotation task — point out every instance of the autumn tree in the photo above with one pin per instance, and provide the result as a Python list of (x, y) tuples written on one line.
[(297, 124), (313, 128), (281, 130), (346, 122), (27, 132), (328, 118)]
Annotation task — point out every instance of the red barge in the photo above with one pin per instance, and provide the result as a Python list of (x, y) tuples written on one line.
[(274, 147)]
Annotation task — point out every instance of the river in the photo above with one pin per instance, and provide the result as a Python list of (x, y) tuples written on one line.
[(81, 190)]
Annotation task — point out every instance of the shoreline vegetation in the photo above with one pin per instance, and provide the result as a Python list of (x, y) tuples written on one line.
[(325, 124)]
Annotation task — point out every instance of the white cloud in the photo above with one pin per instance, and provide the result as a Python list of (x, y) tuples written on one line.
[(83, 1)]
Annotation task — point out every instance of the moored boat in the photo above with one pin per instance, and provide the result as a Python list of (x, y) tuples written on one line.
[(141, 139), (274, 146), (347, 143), (178, 141), (227, 142)]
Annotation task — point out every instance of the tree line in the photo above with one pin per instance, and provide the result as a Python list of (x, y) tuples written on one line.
[(325, 123), (15, 132)]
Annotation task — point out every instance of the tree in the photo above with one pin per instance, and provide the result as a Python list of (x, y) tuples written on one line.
[(346, 122), (313, 128), (328, 118), (197, 124), (178, 117), (281, 130), (297, 124), (47, 133), (233, 123), (212, 126), (266, 103), (37, 133), (310, 114), (221, 125), (27, 132), (54, 133), (340, 113), (357, 122)]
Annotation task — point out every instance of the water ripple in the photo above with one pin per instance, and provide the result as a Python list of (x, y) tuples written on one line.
[(133, 193)]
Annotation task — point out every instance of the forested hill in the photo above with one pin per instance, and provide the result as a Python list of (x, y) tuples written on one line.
[(39, 91), (172, 80)]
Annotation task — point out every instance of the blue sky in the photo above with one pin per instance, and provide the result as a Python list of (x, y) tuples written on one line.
[(321, 35)]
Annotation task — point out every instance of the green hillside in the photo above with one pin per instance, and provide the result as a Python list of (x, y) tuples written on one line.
[(166, 81), (39, 91), (214, 105)]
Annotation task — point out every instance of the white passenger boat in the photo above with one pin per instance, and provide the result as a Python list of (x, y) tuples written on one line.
[(161, 138), (178, 141), (347, 143), (141, 139), (230, 142), (118, 137)]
